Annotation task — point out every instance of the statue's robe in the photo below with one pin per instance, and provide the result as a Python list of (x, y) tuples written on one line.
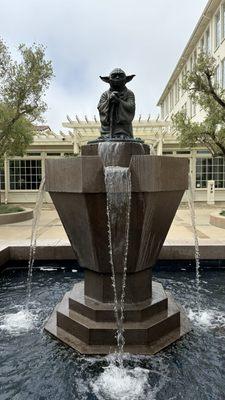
[(123, 113)]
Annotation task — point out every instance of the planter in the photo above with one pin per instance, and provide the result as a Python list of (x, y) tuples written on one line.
[(217, 220), (12, 218)]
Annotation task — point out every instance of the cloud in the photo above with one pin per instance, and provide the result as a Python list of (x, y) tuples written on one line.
[(87, 38)]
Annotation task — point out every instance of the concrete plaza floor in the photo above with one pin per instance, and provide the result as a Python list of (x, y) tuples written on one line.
[(51, 230)]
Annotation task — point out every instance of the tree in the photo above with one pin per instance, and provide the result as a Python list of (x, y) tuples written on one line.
[(204, 90), (22, 86)]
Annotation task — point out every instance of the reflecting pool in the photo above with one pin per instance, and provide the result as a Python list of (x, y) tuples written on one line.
[(34, 366)]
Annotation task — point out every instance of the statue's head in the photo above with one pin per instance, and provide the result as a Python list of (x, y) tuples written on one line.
[(117, 79)]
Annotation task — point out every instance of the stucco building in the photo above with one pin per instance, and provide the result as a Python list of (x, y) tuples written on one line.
[(208, 36)]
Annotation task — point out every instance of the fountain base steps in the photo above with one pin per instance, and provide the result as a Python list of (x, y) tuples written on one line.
[(89, 326), (103, 311)]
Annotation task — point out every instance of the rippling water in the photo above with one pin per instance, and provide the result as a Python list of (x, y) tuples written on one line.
[(34, 366)]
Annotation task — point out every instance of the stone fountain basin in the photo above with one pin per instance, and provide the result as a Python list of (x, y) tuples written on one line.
[(77, 189), (86, 174)]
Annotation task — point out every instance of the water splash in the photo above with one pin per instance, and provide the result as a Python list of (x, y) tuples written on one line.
[(209, 319), (190, 196), (131, 382), (23, 319), (17, 322), (203, 318), (35, 223), (122, 383)]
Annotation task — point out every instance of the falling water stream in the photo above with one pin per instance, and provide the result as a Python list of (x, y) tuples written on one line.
[(190, 196), (22, 318), (118, 188), (202, 317), (118, 191), (33, 242), (117, 380)]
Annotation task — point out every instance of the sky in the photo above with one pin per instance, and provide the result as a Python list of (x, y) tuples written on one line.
[(88, 38)]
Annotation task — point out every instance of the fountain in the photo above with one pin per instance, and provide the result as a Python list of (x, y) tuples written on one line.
[(117, 202)]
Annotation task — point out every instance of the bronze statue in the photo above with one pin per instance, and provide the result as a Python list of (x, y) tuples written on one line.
[(117, 106)]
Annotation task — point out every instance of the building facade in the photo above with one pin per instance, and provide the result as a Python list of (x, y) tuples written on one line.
[(208, 36)]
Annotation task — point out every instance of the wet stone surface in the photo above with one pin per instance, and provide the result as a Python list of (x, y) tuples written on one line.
[(36, 367)]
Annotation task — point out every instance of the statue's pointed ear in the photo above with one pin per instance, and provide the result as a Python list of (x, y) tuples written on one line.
[(129, 78), (105, 78)]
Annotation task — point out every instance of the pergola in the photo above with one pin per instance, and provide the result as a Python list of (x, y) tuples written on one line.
[(153, 132)]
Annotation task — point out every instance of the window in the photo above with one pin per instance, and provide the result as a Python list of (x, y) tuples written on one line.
[(192, 108), (166, 108), (182, 77), (33, 154), (69, 155), (217, 74), (177, 91), (217, 30), (191, 64), (210, 169), (223, 21), (195, 56), (184, 108), (24, 174), (162, 110), (223, 73), (54, 154), (171, 100), (2, 176), (193, 60), (202, 44), (207, 41), (203, 152)]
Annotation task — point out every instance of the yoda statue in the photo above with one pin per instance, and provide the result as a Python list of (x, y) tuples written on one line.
[(117, 106)]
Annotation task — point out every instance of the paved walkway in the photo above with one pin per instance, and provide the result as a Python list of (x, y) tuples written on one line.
[(51, 230)]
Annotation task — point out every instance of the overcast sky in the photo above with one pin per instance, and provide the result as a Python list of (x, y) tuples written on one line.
[(88, 38)]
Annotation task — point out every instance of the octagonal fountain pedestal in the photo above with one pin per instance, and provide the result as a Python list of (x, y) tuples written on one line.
[(85, 318)]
